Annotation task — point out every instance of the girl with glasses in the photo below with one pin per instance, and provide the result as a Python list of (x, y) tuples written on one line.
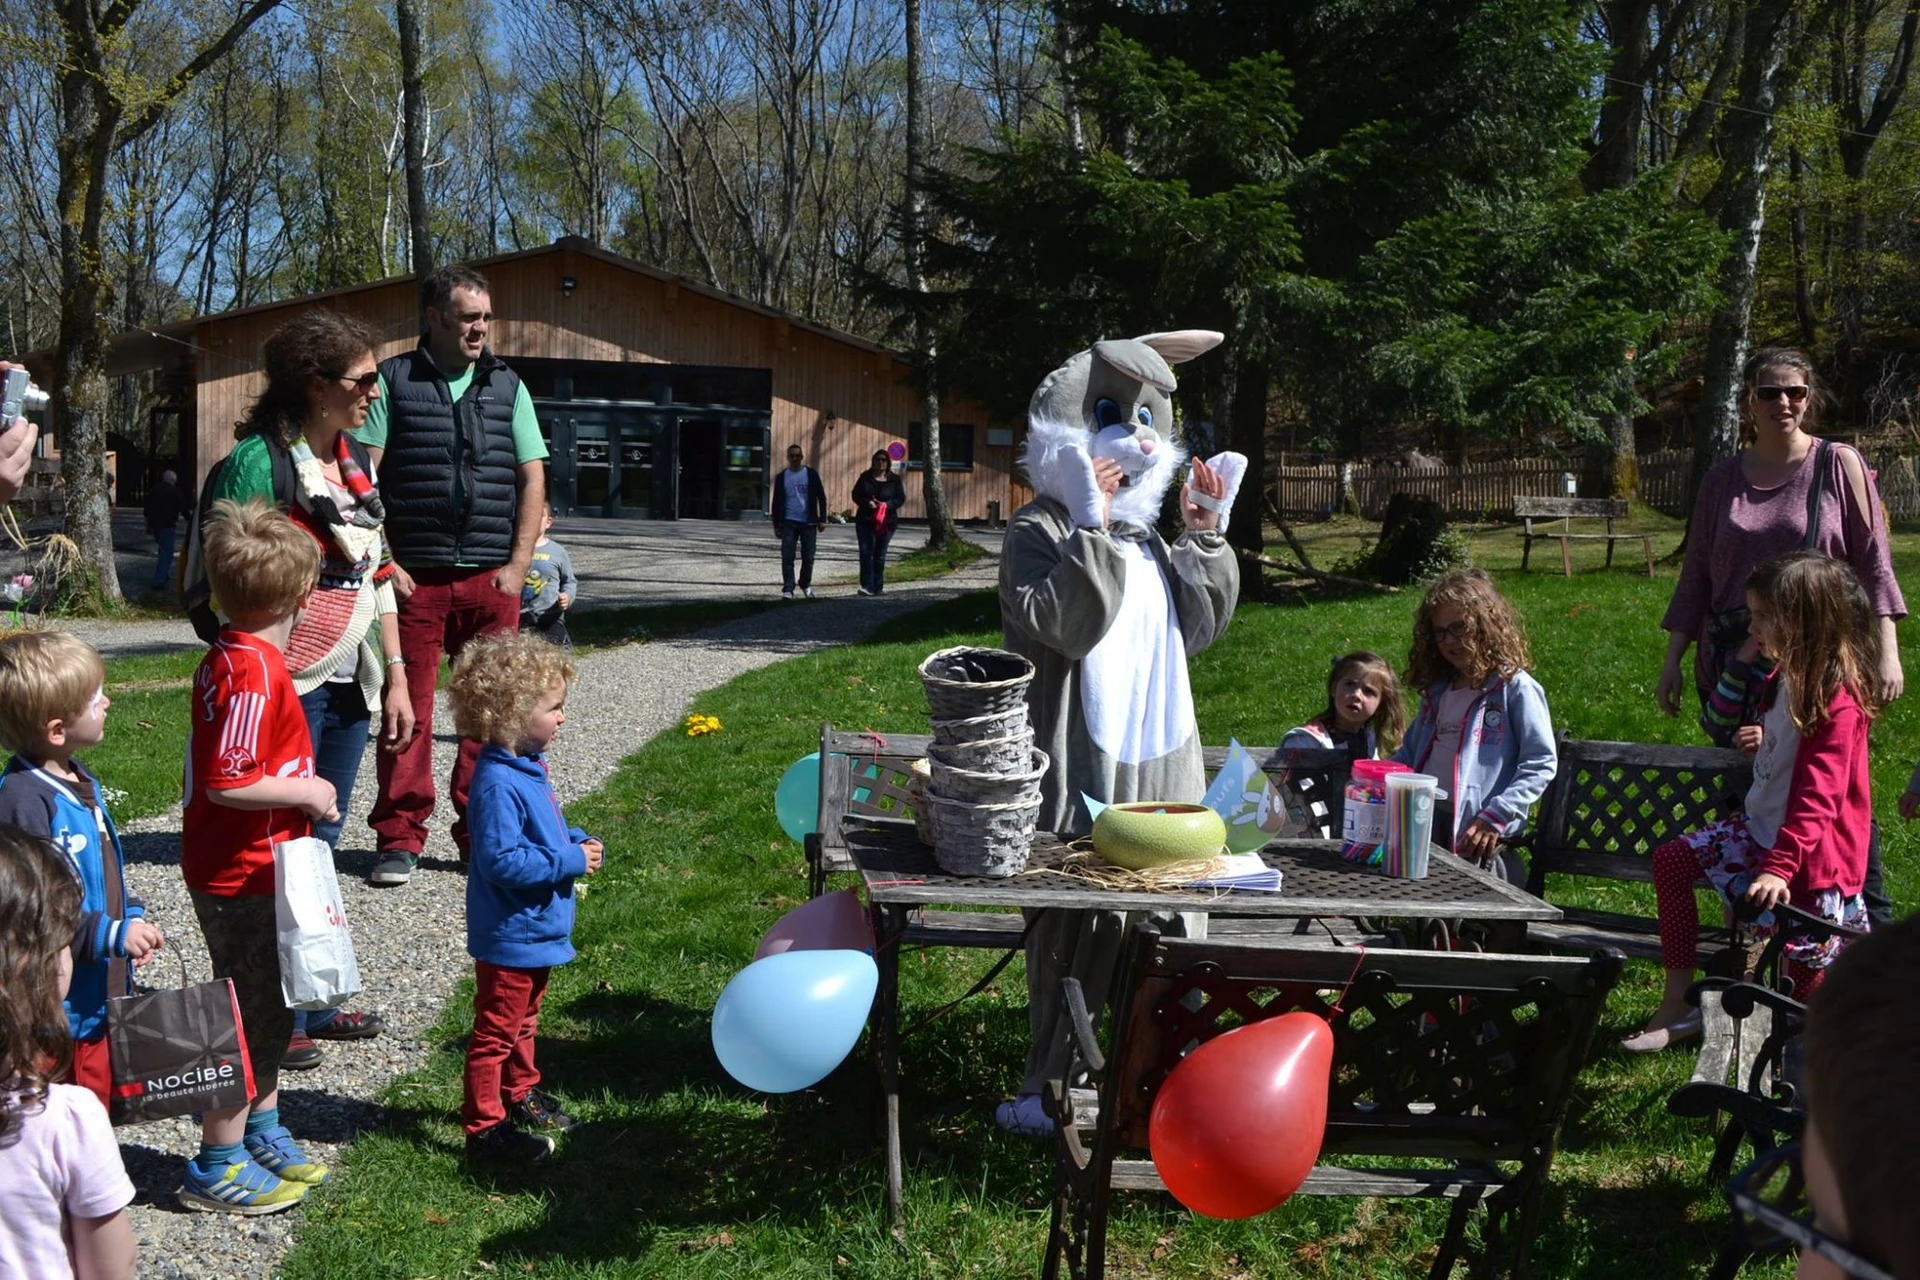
[(1483, 727)]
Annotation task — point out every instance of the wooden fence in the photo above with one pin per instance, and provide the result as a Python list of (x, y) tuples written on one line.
[(1486, 490)]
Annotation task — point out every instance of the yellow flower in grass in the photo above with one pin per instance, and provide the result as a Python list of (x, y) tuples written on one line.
[(698, 724)]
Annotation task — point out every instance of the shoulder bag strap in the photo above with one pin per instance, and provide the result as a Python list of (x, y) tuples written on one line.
[(1814, 495)]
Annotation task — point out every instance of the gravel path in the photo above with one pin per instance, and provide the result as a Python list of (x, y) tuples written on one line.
[(411, 941)]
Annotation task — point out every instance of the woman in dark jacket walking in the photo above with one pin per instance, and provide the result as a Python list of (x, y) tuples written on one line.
[(878, 496)]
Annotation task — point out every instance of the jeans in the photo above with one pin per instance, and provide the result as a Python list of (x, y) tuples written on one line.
[(448, 608), (163, 562), (337, 723), (506, 1017), (794, 533), (873, 554)]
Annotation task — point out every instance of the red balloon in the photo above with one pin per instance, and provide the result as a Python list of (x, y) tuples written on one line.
[(830, 922), (1238, 1124)]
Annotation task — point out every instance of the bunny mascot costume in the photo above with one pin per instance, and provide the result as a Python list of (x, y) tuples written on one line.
[(1108, 613)]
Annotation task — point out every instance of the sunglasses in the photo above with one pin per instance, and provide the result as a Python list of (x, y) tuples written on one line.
[(1770, 1211), (364, 384), (1794, 395)]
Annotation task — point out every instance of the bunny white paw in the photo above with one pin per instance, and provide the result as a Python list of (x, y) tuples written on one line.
[(1232, 469), (1080, 491)]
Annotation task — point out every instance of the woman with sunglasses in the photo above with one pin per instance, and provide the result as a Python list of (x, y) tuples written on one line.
[(878, 496), (1788, 490), (297, 451)]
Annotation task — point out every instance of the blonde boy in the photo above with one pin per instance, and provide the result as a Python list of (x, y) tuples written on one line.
[(510, 693), (250, 785), (53, 702)]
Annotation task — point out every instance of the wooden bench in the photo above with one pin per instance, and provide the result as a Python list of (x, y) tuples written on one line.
[(1566, 511), (867, 778), (1609, 806), (1464, 1061)]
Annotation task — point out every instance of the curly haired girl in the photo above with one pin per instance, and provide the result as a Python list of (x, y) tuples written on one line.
[(1483, 728), (63, 1190), (1802, 834)]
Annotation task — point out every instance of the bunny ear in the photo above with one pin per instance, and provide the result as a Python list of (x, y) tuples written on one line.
[(1182, 344)]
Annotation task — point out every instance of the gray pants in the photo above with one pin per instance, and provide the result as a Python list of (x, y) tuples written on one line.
[(1085, 945)]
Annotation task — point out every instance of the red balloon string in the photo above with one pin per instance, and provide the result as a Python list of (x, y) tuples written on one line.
[(1358, 961), (879, 743)]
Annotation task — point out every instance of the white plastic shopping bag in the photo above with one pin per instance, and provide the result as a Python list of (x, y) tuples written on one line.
[(317, 966)]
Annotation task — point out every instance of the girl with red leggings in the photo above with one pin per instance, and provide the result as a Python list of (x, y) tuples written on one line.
[(1802, 835)]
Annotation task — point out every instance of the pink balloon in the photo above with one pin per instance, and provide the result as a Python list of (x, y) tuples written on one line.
[(830, 922), (1238, 1123)]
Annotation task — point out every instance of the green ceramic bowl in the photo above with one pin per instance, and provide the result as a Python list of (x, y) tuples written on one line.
[(1152, 833)]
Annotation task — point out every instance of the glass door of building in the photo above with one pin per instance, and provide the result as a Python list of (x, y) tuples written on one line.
[(722, 465), (602, 460)]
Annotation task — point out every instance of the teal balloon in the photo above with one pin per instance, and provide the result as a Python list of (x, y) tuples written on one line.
[(786, 1021), (796, 802)]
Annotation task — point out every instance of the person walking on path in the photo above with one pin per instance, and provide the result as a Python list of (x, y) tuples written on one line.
[(1787, 491), (344, 651), (878, 496), (165, 505), (463, 474), (799, 514)]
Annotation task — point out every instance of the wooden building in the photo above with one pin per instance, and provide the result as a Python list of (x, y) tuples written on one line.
[(659, 397)]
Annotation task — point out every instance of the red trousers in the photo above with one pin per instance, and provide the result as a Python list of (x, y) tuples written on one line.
[(448, 608), (500, 1070), (93, 1069)]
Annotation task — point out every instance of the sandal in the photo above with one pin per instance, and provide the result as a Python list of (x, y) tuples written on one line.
[(1024, 1117), (1654, 1039)]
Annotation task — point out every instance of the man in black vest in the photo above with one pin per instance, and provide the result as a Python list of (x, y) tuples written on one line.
[(463, 472)]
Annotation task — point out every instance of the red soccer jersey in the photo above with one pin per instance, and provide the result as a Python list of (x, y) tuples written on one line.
[(247, 725)]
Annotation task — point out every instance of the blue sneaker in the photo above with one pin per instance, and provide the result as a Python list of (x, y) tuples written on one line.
[(243, 1188), (275, 1151)]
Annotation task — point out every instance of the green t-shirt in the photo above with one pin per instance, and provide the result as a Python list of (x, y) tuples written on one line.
[(527, 444)]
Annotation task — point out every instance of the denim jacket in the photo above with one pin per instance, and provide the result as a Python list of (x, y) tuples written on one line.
[(1507, 753)]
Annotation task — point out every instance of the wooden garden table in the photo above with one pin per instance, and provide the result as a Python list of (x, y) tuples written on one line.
[(901, 876)]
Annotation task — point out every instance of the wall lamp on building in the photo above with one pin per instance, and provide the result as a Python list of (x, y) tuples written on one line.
[(827, 419), (568, 284)]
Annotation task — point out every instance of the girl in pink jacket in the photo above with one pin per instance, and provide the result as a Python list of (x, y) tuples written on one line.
[(1802, 836)]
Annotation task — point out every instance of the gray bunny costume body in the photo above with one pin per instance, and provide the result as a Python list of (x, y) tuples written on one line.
[(1108, 613)]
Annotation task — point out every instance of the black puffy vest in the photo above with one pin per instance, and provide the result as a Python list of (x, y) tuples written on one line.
[(430, 441)]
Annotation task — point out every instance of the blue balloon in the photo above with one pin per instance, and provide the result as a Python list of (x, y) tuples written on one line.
[(786, 1021), (797, 800)]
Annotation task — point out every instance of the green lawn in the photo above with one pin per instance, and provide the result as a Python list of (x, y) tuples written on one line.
[(675, 1171)]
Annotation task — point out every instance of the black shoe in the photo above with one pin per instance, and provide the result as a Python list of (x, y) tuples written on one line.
[(302, 1054), (394, 868), (504, 1144), (539, 1110), (348, 1026)]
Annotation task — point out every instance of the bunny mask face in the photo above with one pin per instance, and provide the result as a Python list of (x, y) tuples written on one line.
[(1111, 401)]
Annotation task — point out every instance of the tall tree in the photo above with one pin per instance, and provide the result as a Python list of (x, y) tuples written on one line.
[(413, 130), (940, 529), (1767, 78), (105, 105)]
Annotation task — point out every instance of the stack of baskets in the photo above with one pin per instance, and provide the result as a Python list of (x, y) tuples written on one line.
[(982, 790)]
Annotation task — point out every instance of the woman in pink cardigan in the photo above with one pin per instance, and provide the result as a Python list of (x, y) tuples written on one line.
[(1786, 491)]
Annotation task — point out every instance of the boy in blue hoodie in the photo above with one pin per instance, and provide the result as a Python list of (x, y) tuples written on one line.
[(53, 702), (509, 692)]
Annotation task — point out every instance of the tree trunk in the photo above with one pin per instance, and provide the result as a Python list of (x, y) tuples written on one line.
[(1247, 433), (940, 530), (87, 125), (1809, 320), (413, 123), (1767, 75), (1615, 162)]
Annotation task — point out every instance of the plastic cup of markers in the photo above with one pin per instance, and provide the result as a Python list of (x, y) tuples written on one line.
[(1410, 798)]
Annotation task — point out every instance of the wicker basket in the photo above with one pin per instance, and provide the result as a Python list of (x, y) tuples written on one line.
[(1004, 724), (965, 683), (989, 755), (975, 786), (982, 840), (917, 793)]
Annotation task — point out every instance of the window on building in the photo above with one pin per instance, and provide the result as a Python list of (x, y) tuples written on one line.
[(956, 446)]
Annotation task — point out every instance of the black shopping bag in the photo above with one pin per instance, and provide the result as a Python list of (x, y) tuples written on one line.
[(177, 1052)]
